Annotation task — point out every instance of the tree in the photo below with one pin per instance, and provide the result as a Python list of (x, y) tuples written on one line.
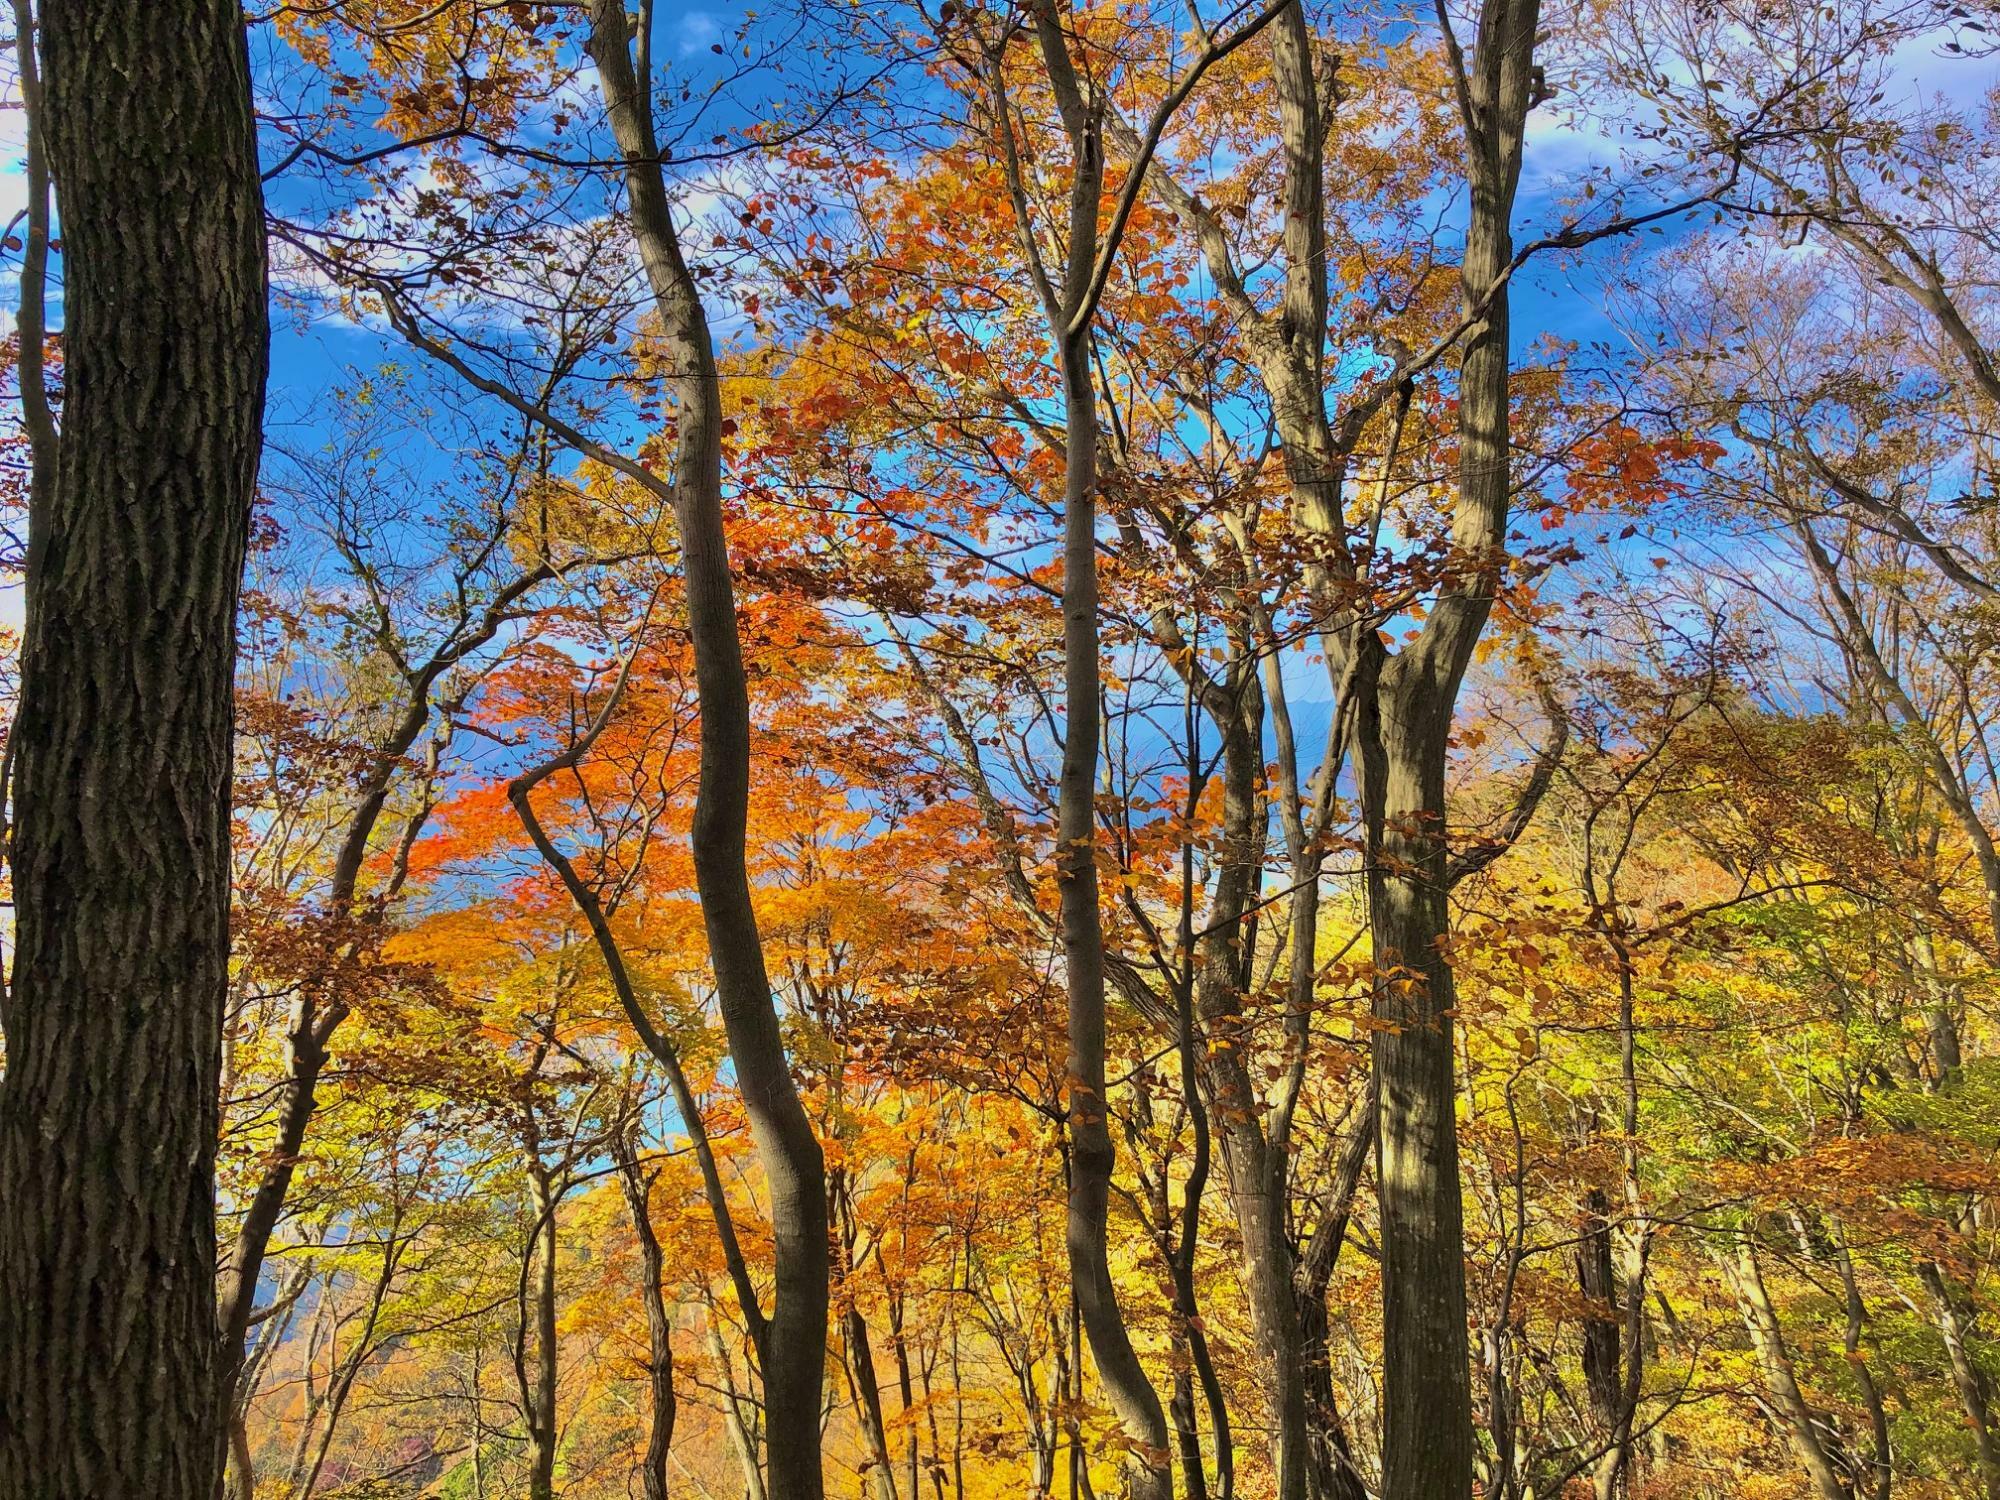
[(983, 788), (121, 753)]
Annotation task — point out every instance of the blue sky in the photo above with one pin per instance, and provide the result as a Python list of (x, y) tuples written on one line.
[(313, 355)]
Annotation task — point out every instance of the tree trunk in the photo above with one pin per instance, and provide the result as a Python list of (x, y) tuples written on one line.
[(1768, 1340), (1149, 1475), (1403, 734), (1882, 1476), (861, 1377), (868, 1401), (905, 1387), (108, 1111), (794, 1346), (242, 1469), (1955, 1325), (1331, 1473), (1125, 1381), (1426, 1400), (1602, 1357), (538, 1393), (1256, 1179), (316, 1014), (659, 1327), (741, 1437), (1092, 1157)]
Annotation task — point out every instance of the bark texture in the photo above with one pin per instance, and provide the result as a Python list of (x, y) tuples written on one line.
[(108, 1109), (1403, 733)]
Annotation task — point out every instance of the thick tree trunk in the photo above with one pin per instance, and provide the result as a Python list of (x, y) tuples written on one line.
[(1403, 736), (108, 1110), (1597, 1280), (793, 1355), (1426, 1400)]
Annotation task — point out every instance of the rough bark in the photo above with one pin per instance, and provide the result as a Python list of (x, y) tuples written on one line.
[(1403, 734), (108, 1111), (794, 1352), (1404, 703)]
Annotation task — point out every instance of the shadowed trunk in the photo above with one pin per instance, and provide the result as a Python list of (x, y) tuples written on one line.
[(659, 1326), (108, 1111), (537, 1308), (793, 1349), (1403, 735)]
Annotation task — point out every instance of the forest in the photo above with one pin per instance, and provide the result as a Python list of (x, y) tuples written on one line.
[(1000, 749)]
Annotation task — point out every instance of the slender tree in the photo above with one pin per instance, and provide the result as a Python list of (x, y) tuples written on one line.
[(793, 1346)]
